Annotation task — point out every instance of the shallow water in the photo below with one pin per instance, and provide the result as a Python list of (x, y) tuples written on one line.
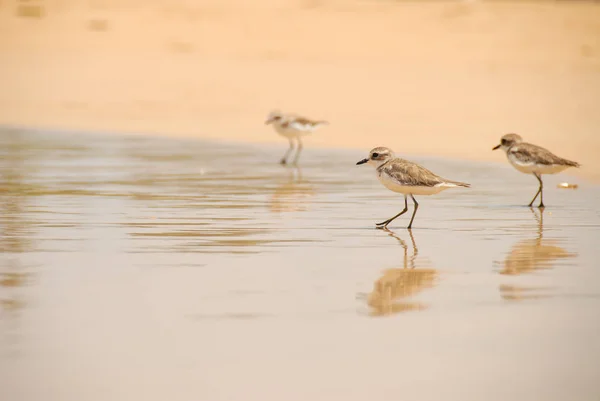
[(147, 268)]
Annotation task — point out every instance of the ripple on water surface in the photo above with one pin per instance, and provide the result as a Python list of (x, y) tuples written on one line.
[(212, 239)]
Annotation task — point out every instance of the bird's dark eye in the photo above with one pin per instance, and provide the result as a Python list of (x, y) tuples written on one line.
[(503, 142), (375, 155)]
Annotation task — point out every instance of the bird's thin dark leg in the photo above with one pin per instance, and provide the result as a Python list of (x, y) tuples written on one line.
[(541, 206), (414, 212), (287, 152), (298, 151), (534, 198), (384, 224), (539, 192)]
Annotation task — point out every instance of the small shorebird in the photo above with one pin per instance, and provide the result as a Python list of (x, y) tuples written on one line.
[(532, 159), (407, 178), (292, 127)]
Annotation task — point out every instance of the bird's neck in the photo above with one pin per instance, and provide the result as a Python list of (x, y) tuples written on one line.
[(382, 165)]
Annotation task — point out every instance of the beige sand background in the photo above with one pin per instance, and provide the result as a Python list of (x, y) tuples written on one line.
[(440, 78)]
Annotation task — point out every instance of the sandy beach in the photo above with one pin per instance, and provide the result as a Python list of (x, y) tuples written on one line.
[(154, 268), (152, 247), (431, 78)]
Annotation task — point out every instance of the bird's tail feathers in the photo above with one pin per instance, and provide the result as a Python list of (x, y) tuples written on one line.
[(572, 163), (458, 184)]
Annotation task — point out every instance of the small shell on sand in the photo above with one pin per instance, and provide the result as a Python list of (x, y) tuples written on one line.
[(566, 185)]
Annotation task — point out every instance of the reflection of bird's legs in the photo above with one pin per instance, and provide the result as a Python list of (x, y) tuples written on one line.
[(405, 247), (540, 221), (298, 171), (287, 152), (402, 244), (384, 224), (415, 249)]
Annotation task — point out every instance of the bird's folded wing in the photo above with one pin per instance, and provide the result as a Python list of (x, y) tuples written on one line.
[(411, 174), (304, 124), (529, 154)]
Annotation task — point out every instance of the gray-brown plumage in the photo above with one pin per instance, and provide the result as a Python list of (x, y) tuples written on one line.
[(301, 123), (530, 153), (409, 174), (407, 178), (532, 159)]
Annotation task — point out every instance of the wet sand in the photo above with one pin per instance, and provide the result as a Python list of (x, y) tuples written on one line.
[(437, 78), (136, 267)]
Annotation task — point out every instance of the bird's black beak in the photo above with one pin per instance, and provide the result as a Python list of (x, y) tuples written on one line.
[(363, 161), (496, 147)]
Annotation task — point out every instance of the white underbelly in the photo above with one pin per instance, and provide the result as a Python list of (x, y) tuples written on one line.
[(290, 132), (530, 168), (414, 190)]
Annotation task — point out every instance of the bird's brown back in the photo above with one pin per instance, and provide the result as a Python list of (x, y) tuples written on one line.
[(411, 174), (530, 153)]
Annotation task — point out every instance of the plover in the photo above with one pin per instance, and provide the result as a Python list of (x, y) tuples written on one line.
[(407, 178), (292, 127), (532, 159)]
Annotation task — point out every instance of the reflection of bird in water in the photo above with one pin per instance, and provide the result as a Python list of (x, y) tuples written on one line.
[(527, 256), (292, 195), (17, 233), (519, 293), (531, 254), (396, 284), (16, 230)]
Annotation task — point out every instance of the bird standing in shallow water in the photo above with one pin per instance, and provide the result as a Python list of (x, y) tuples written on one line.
[(292, 127), (532, 159), (407, 178)]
